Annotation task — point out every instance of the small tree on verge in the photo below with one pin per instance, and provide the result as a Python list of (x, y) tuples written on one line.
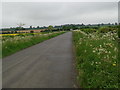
[(20, 26)]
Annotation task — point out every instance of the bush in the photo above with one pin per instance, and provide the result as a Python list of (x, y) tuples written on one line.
[(106, 29), (87, 30), (31, 31), (103, 29)]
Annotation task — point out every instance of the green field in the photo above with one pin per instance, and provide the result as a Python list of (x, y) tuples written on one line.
[(12, 44), (96, 57)]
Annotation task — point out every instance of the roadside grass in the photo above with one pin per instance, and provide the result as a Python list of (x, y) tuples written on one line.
[(96, 57), (12, 44)]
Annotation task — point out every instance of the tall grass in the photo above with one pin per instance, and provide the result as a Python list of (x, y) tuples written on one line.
[(13, 44), (96, 59)]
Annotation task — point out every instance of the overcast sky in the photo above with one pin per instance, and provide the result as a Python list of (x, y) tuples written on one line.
[(57, 13)]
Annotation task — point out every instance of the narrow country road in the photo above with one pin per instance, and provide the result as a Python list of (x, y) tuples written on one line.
[(46, 65)]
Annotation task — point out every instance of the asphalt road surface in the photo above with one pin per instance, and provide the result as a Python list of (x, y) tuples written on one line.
[(46, 65)]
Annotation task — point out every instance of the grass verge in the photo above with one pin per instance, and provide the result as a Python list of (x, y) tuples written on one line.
[(17, 43), (96, 60)]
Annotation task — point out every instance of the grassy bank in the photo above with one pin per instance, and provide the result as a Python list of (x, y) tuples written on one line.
[(96, 59), (12, 44)]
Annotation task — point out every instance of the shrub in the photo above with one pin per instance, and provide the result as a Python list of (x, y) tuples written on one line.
[(103, 29), (31, 31)]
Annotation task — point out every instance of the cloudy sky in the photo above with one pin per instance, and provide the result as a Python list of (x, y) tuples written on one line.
[(57, 13)]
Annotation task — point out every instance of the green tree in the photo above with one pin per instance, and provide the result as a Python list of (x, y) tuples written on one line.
[(31, 27), (20, 26), (50, 28), (38, 27)]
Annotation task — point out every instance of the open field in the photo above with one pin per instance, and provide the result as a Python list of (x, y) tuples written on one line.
[(96, 57), (12, 44)]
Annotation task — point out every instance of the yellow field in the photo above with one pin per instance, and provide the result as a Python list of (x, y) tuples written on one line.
[(8, 34), (16, 34)]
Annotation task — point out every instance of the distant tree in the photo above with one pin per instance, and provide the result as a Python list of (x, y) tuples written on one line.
[(98, 25), (109, 24), (89, 24), (15, 31), (20, 26), (82, 24), (38, 27), (64, 27), (102, 24), (31, 31), (11, 28), (31, 27), (50, 28), (116, 23)]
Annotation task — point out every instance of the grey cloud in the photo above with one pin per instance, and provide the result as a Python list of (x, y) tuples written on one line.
[(58, 13)]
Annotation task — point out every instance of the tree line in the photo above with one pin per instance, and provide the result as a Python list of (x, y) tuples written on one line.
[(50, 28)]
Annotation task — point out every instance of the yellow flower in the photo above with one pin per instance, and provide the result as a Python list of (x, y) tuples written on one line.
[(8, 34), (114, 64)]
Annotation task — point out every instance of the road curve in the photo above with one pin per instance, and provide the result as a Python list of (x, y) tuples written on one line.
[(45, 65)]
